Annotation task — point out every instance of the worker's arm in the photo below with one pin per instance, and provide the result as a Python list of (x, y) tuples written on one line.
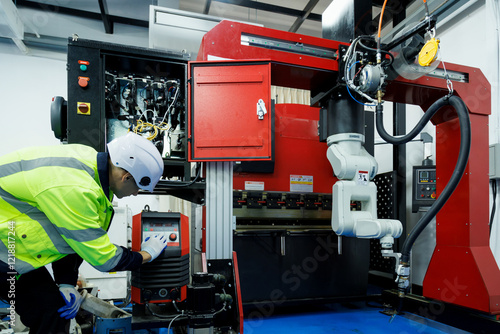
[(74, 212), (146, 257), (66, 269)]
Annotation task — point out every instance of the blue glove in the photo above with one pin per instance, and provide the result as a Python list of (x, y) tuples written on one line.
[(73, 300), (154, 246)]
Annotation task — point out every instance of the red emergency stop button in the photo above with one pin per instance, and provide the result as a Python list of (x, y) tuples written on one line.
[(83, 108), (83, 81), (172, 236)]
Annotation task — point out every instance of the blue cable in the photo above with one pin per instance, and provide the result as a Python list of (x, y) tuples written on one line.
[(349, 91)]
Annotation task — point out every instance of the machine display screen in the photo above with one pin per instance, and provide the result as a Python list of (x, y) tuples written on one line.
[(427, 176)]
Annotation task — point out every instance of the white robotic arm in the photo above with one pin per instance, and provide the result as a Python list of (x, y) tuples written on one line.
[(355, 168)]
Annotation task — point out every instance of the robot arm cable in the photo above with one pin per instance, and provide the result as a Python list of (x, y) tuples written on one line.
[(403, 268), (379, 121), (463, 157)]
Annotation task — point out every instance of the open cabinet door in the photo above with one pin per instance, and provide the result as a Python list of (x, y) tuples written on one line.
[(230, 116)]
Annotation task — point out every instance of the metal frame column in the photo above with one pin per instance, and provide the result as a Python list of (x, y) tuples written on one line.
[(219, 210)]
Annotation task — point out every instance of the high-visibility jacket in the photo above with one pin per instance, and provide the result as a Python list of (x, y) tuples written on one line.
[(52, 204)]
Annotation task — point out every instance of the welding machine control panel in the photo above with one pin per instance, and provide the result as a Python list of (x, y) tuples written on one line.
[(169, 230)]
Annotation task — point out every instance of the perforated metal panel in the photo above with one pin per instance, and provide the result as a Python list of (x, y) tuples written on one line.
[(385, 210)]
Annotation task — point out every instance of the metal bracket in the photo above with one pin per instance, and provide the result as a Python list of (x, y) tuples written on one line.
[(261, 109)]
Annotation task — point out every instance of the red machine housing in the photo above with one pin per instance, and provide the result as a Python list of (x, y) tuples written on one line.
[(154, 281), (229, 93), (462, 270), (298, 153)]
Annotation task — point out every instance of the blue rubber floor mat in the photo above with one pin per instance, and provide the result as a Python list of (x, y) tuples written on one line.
[(341, 319)]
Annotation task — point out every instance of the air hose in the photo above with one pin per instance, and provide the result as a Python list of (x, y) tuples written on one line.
[(463, 157)]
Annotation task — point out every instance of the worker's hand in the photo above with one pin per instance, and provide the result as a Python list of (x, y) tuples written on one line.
[(73, 300), (154, 246)]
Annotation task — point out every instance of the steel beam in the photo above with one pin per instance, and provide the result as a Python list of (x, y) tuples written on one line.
[(106, 20), (307, 11), (207, 7)]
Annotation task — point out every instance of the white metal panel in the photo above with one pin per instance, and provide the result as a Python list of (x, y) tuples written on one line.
[(177, 30)]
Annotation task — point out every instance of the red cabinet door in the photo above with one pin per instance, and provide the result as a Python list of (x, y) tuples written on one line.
[(224, 105)]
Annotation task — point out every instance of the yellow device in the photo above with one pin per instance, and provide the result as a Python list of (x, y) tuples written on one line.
[(429, 52)]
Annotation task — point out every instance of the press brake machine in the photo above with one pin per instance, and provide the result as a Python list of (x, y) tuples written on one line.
[(462, 270)]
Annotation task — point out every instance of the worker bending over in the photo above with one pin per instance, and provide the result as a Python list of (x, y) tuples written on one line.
[(55, 207)]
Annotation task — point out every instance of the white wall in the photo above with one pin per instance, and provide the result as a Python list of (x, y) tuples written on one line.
[(29, 81), (27, 86)]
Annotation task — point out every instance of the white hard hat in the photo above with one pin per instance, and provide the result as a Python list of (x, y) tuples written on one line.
[(139, 157)]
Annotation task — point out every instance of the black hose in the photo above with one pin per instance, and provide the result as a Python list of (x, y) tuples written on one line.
[(416, 130), (463, 157), (494, 206)]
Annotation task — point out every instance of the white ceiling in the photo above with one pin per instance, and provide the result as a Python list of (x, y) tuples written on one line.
[(268, 19), (139, 10), (55, 20)]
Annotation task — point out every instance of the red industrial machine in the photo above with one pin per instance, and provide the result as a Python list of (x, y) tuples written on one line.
[(279, 152), (462, 270), (167, 278)]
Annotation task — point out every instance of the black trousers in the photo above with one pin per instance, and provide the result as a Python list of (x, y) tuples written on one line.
[(36, 299)]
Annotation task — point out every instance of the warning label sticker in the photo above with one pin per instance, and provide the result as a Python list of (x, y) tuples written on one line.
[(254, 185), (362, 178), (301, 183)]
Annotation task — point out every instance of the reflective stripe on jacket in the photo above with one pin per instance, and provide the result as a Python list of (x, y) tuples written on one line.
[(52, 204)]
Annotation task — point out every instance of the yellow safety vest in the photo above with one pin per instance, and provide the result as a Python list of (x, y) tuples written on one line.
[(52, 204)]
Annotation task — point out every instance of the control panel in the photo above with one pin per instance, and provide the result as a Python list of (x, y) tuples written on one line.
[(424, 187), (169, 230)]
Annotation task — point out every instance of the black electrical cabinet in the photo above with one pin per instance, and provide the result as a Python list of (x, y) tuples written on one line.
[(95, 69), (113, 89)]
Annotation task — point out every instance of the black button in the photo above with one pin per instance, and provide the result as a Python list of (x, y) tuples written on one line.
[(38, 256), (24, 236)]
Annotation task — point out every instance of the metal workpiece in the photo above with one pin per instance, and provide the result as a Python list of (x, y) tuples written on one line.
[(101, 308)]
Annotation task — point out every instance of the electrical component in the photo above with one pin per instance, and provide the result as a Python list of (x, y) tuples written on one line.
[(424, 187), (151, 107), (494, 172), (372, 78)]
